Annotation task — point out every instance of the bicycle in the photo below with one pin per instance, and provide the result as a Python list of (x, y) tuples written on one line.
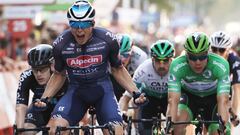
[(89, 129), (44, 130), (156, 127), (199, 123)]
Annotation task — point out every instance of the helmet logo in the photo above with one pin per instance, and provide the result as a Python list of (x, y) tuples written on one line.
[(82, 8)]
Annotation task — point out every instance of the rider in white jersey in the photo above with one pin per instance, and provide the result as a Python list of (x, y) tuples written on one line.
[(151, 78), (136, 58), (131, 57)]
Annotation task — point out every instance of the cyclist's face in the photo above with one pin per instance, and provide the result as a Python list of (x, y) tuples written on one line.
[(161, 66), (42, 74), (197, 62), (82, 35), (125, 58), (220, 51)]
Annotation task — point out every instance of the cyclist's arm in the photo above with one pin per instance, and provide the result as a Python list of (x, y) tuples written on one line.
[(172, 109), (236, 98), (21, 110), (124, 79), (123, 102), (24, 86), (222, 102), (54, 84)]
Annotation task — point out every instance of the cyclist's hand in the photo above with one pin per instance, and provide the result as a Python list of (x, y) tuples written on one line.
[(139, 98), (235, 121), (234, 118), (40, 104)]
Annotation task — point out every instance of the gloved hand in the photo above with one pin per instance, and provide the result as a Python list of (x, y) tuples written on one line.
[(40, 104), (139, 99)]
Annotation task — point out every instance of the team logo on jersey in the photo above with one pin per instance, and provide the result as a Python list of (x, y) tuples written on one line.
[(72, 44), (58, 40), (171, 77), (84, 61), (113, 36), (236, 64), (226, 79), (207, 73)]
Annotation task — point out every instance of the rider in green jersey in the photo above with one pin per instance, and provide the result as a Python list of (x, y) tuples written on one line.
[(202, 78)]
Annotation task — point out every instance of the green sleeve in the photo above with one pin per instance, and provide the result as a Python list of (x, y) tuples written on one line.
[(174, 80)]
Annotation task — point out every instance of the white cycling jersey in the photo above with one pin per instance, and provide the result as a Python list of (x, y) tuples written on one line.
[(138, 56), (149, 82)]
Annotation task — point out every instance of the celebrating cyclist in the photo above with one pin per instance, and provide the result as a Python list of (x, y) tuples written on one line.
[(151, 78), (202, 78), (40, 59), (221, 44), (86, 52)]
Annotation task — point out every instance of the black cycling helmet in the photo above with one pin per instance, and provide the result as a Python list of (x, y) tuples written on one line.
[(40, 55)]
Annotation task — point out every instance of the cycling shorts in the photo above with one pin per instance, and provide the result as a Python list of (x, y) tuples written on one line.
[(75, 103)]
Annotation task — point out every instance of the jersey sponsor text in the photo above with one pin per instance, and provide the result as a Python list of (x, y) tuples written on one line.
[(84, 61)]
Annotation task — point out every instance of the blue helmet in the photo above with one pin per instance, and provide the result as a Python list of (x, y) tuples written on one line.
[(81, 10)]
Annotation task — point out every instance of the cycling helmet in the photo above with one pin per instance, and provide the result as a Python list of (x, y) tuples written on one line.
[(197, 42), (162, 49), (220, 40), (40, 55), (81, 11), (125, 44)]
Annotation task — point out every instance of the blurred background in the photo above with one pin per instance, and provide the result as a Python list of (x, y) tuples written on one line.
[(26, 23)]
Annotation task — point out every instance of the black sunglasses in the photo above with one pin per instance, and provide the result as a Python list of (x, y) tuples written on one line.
[(215, 49), (195, 58)]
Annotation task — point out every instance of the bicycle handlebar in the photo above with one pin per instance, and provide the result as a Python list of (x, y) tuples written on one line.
[(86, 128), (20, 130), (170, 123)]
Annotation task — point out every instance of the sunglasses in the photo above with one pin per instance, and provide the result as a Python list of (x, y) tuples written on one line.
[(80, 25), (195, 58), (125, 54), (215, 49)]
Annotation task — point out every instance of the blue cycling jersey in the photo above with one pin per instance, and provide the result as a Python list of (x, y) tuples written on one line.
[(87, 68), (89, 62), (234, 65)]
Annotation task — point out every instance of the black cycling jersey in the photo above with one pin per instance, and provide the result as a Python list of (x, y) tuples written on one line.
[(28, 82), (234, 63)]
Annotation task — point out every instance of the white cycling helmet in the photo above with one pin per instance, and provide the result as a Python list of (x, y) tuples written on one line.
[(81, 10), (220, 40)]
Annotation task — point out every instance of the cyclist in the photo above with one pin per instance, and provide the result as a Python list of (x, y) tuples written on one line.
[(86, 52), (131, 57), (35, 79), (203, 80), (221, 44), (151, 78)]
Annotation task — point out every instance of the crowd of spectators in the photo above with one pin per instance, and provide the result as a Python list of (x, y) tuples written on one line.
[(44, 33)]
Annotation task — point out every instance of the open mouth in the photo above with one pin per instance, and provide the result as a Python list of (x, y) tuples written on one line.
[(80, 36)]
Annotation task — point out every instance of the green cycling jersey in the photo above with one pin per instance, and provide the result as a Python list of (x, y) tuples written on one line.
[(214, 79)]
